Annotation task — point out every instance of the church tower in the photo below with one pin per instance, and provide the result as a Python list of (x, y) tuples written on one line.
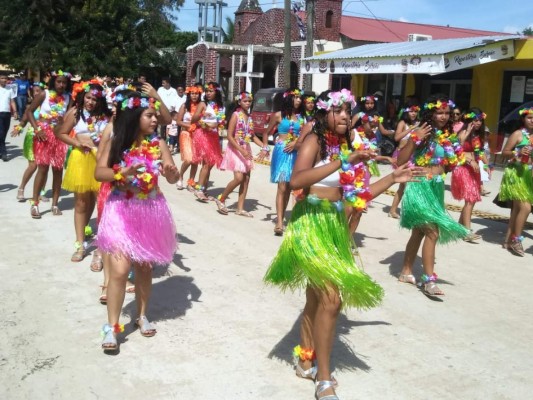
[(328, 19), (248, 12)]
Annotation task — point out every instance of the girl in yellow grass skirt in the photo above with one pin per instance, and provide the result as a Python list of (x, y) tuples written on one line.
[(82, 128)]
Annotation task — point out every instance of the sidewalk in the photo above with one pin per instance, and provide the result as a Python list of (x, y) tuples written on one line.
[(223, 334)]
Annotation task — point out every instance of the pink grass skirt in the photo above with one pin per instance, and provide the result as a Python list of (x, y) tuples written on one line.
[(50, 151), (466, 184), (234, 161), (206, 147), (140, 229), (186, 146)]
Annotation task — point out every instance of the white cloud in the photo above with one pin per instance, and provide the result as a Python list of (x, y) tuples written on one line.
[(511, 29), (403, 19)]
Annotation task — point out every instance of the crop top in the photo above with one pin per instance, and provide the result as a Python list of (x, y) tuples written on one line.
[(285, 125), (331, 180)]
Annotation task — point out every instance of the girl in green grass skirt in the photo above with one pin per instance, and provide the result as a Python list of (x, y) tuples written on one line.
[(316, 250), (435, 147)]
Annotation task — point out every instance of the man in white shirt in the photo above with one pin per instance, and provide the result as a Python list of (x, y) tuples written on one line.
[(7, 108), (169, 96)]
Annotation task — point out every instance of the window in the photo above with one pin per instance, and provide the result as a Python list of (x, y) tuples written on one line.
[(329, 19), (239, 27), (294, 75)]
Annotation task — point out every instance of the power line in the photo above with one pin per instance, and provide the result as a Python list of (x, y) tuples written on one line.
[(381, 22)]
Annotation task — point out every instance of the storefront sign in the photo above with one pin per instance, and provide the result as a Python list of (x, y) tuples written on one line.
[(480, 55), (418, 64), (381, 65)]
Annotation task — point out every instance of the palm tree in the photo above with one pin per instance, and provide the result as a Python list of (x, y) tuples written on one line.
[(228, 33)]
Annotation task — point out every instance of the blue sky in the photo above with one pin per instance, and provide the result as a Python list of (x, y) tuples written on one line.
[(492, 15)]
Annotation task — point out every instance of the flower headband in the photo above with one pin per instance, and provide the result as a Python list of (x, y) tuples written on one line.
[(367, 98), (212, 87), (373, 118), (42, 85), (473, 115), (439, 104), (336, 99), (295, 92), (67, 75), (309, 99), (143, 102), (525, 111), (244, 95), (412, 108), (86, 87), (193, 89)]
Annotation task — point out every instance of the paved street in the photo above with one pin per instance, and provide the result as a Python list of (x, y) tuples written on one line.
[(223, 334)]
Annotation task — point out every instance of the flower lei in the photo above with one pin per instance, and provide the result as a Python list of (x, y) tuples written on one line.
[(146, 178), (144, 102), (517, 156), (368, 118), (220, 114), (90, 121), (291, 136), (478, 149), (192, 128), (245, 129), (439, 104), (351, 177), (453, 151), (473, 115), (525, 111), (57, 107)]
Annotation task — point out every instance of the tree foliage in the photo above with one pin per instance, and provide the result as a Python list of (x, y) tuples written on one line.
[(115, 37), (229, 32)]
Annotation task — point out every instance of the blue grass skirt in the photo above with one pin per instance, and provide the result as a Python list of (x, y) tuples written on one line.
[(281, 164)]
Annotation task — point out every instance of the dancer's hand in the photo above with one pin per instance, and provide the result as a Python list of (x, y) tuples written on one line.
[(85, 143), (149, 90), (246, 154), (406, 173), (170, 171), (422, 131), (361, 156), (16, 131), (40, 134), (132, 169), (475, 166), (289, 147)]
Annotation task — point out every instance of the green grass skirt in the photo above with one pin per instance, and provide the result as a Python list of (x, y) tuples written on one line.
[(423, 206), (27, 149), (316, 251), (517, 183)]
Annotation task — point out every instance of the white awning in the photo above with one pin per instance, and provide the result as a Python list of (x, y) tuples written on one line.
[(424, 57)]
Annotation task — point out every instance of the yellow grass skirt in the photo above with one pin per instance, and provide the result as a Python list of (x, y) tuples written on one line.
[(79, 176)]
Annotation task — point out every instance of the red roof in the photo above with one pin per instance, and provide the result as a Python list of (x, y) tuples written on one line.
[(372, 30)]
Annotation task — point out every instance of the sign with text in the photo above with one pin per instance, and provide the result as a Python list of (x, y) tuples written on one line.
[(479, 55)]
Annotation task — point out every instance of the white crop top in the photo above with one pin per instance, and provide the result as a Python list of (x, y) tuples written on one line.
[(331, 180)]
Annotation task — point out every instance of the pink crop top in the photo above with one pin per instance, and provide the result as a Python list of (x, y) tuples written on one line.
[(331, 180)]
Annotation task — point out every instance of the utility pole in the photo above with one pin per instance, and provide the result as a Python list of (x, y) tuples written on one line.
[(310, 36), (287, 47)]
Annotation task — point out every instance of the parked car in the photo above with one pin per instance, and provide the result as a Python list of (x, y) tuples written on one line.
[(266, 103)]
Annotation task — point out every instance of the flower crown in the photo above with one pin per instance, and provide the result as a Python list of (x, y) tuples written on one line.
[(412, 108), (67, 75), (143, 102), (86, 87), (367, 98), (194, 89), (309, 99), (244, 95), (473, 115), (371, 118), (525, 111), (336, 99), (439, 104), (42, 85), (295, 92), (212, 87)]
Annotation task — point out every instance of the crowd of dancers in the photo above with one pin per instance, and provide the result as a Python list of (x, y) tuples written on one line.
[(325, 153)]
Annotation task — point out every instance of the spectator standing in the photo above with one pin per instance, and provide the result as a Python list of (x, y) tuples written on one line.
[(23, 93), (7, 107), (169, 96), (182, 97)]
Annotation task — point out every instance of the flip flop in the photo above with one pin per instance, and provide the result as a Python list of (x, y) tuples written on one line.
[(96, 263), (222, 209), (278, 231), (244, 213)]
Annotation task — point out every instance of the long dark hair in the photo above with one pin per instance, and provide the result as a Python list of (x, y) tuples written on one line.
[(426, 115), (99, 109), (188, 100), (218, 93), (320, 126), (403, 115), (125, 130), (52, 83), (481, 131), (287, 107)]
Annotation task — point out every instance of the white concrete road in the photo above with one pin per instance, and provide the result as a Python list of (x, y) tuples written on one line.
[(223, 335)]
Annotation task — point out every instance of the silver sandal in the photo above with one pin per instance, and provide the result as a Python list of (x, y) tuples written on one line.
[(322, 386), (146, 328), (110, 340), (306, 374)]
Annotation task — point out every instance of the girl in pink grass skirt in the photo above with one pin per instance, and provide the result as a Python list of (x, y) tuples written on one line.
[(238, 157), (136, 226), (466, 179), (211, 116)]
